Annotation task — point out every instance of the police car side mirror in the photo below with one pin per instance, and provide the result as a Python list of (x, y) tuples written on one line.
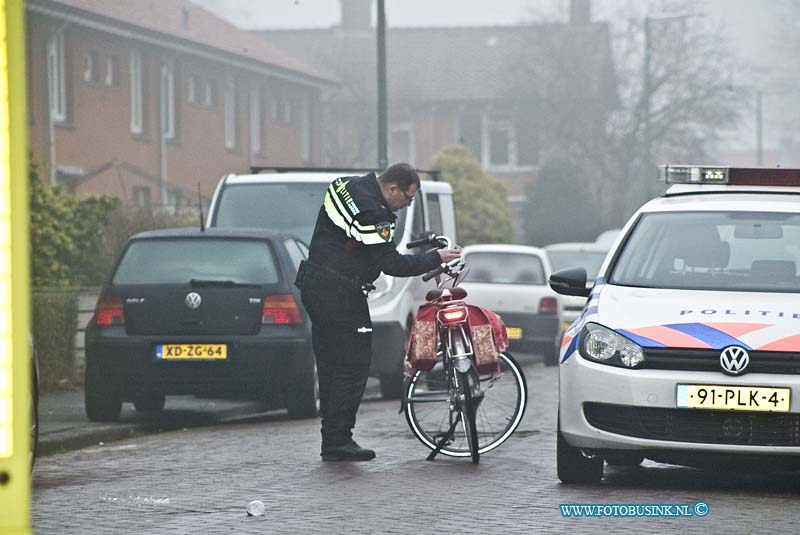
[(570, 281)]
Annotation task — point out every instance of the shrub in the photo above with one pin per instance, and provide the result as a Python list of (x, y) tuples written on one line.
[(482, 213)]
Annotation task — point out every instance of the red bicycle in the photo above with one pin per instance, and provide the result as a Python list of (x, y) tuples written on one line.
[(458, 403)]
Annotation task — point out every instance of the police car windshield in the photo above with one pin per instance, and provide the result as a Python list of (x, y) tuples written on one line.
[(287, 208), (726, 251)]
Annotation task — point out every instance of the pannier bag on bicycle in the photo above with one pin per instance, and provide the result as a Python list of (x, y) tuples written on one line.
[(487, 332)]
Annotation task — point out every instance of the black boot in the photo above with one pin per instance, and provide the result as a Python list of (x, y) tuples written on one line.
[(349, 451)]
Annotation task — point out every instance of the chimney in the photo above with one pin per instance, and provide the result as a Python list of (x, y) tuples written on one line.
[(580, 11), (356, 15)]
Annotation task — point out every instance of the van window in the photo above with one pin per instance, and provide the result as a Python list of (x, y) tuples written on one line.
[(295, 252), (418, 225), (177, 261), (286, 208), (435, 214)]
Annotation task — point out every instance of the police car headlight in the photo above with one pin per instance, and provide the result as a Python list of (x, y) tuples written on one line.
[(601, 344)]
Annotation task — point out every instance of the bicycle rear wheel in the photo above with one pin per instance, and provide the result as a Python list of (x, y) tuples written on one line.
[(468, 405), (429, 411)]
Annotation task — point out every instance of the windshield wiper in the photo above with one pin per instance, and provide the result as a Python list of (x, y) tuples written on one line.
[(223, 283)]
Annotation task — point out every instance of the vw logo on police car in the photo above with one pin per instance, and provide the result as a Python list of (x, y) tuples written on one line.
[(734, 360), (193, 300)]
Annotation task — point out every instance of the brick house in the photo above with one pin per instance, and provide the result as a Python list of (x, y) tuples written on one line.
[(144, 99), (467, 85)]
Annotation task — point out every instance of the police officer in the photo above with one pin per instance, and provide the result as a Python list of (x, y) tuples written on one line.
[(351, 245)]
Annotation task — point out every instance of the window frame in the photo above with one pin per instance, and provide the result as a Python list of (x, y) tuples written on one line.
[(229, 112), (137, 92), (256, 138), (56, 77)]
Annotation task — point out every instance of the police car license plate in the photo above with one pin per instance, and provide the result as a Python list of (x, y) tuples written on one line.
[(192, 351), (514, 333), (735, 398)]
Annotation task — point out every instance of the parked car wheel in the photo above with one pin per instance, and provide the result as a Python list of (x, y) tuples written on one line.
[(573, 466), (551, 354), (302, 390), (149, 401), (102, 400), (391, 385)]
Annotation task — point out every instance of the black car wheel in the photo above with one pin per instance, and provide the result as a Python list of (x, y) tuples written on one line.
[(102, 398), (149, 401), (302, 392)]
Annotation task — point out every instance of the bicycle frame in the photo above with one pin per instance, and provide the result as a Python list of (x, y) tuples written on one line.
[(454, 391)]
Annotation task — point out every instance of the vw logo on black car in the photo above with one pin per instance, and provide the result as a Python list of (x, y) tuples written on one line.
[(193, 300), (734, 360)]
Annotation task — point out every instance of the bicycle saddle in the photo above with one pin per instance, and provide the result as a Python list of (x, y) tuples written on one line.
[(453, 293)]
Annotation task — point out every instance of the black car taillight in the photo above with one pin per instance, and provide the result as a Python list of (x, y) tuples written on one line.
[(548, 305), (109, 311), (280, 310)]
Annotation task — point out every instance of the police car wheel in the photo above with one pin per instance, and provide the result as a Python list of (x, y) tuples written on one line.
[(573, 466), (622, 458)]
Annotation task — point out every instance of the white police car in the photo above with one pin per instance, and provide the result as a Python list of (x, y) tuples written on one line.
[(688, 350)]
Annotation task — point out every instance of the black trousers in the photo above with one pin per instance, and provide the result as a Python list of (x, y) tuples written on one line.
[(341, 332)]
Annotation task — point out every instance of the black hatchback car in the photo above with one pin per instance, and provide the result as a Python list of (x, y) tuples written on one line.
[(210, 313)]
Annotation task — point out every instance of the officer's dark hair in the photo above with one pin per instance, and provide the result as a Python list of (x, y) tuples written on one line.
[(401, 174)]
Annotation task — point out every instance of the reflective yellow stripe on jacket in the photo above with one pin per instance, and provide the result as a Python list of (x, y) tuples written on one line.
[(336, 204)]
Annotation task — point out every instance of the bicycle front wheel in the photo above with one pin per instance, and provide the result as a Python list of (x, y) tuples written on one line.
[(430, 412)]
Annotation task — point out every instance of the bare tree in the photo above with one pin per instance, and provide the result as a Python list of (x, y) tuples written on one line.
[(671, 100)]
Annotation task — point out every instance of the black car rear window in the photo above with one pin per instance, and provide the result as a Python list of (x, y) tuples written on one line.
[(177, 261)]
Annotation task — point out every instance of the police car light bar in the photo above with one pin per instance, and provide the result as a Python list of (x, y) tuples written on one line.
[(734, 176)]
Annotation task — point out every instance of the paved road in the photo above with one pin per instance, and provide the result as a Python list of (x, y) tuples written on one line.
[(199, 480)]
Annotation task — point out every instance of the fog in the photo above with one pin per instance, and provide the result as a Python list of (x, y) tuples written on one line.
[(751, 27)]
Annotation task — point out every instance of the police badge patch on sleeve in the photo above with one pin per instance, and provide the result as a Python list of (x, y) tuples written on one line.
[(384, 231)]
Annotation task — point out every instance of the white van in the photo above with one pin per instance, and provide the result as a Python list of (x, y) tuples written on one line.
[(288, 200)]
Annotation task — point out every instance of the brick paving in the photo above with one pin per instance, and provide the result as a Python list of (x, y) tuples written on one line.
[(199, 481)]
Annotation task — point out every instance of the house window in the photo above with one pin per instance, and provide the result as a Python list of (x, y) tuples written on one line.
[(306, 126), (56, 78), (142, 196), (401, 143), (208, 93), (500, 144), (168, 100), (287, 111), (194, 85), (229, 103), (255, 120), (274, 105), (90, 67), (137, 114), (112, 71)]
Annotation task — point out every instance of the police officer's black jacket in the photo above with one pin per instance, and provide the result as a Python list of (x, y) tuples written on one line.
[(355, 231)]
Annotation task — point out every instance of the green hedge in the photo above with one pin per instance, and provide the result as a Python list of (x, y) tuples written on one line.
[(55, 323)]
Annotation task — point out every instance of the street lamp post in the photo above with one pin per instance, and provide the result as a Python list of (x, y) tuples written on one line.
[(383, 159)]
